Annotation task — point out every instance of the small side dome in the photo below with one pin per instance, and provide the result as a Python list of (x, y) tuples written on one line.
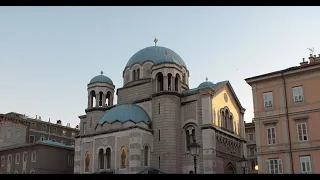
[(124, 113), (206, 84), (101, 79)]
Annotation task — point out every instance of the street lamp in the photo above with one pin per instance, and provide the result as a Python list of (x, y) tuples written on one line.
[(256, 167), (243, 162), (195, 151)]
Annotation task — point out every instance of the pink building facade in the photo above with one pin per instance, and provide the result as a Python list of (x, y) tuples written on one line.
[(287, 119)]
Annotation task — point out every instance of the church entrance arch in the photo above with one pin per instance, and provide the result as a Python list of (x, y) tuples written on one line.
[(230, 169)]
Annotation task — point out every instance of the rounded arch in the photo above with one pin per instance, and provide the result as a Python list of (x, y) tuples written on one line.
[(189, 134), (108, 157), (177, 82), (101, 158), (190, 122), (108, 99), (159, 81), (92, 99), (32, 171), (230, 169)]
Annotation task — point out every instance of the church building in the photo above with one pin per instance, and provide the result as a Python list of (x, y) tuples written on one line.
[(156, 117)]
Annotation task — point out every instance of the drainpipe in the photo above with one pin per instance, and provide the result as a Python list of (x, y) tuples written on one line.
[(288, 122)]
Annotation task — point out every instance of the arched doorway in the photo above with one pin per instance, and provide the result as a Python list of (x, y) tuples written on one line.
[(230, 169)]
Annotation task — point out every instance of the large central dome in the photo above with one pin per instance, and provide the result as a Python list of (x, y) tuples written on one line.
[(156, 54)]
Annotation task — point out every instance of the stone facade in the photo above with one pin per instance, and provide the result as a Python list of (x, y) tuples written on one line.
[(209, 114)]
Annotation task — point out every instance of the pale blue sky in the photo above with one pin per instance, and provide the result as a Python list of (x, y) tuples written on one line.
[(49, 54)]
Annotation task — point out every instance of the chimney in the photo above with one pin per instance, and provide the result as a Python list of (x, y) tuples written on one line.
[(40, 117), (77, 126), (311, 59), (68, 124), (303, 63), (59, 122), (36, 116)]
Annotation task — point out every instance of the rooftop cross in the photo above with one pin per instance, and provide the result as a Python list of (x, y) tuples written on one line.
[(101, 72), (155, 41)]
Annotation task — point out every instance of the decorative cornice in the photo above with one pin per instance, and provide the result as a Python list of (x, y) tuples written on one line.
[(113, 131)]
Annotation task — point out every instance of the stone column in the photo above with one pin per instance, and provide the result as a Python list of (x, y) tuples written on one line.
[(97, 100), (111, 100), (173, 83), (89, 101), (165, 83), (104, 96)]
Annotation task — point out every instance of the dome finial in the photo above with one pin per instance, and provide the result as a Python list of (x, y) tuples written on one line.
[(155, 41), (101, 72), (206, 78)]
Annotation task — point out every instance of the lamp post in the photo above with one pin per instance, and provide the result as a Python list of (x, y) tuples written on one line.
[(243, 162), (194, 150)]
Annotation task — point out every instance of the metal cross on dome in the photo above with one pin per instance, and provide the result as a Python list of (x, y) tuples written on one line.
[(101, 72), (155, 41)]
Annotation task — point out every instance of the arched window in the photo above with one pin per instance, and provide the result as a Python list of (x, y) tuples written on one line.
[(222, 118), (108, 158), (159, 77), (226, 118), (9, 159), (169, 81), (87, 161), (134, 75), (138, 74), (92, 99), (25, 157), (108, 99), (190, 136), (123, 157), (101, 159), (146, 155), (231, 123), (176, 82)]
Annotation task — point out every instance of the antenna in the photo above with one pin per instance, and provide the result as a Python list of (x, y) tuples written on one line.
[(311, 50)]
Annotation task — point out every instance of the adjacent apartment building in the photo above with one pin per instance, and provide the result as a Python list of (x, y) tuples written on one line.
[(41, 157), (251, 148), (36, 129), (33, 146), (286, 115)]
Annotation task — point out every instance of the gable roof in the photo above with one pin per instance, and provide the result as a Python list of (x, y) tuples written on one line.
[(216, 87)]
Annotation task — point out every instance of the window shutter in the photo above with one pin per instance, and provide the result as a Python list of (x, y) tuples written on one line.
[(267, 167), (295, 94), (270, 99), (280, 166), (265, 99), (300, 93)]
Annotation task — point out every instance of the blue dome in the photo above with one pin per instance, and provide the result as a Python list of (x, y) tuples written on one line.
[(126, 112), (156, 54), (101, 79), (206, 84)]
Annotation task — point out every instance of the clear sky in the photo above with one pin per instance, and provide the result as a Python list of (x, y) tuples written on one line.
[(49, 54)]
